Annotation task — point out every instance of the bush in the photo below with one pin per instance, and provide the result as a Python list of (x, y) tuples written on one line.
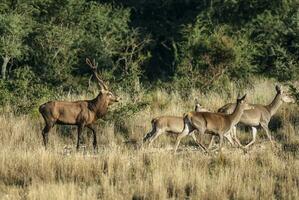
[(164, 43), (273, 36), (206, 55), (24, 92)]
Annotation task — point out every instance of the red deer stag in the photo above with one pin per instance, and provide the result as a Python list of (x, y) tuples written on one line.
[(82, 113)]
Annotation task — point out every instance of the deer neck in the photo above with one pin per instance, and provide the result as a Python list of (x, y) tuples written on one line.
[(99, 105), (275, 104), (236, 114)]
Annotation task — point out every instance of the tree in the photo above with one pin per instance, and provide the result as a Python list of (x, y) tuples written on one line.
[(14, 28)]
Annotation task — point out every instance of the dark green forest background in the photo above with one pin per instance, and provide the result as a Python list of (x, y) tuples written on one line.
[(142, 45)]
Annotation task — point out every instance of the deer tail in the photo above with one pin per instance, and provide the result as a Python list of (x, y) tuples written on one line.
[(42, 108), (154, 121), (186, 117)]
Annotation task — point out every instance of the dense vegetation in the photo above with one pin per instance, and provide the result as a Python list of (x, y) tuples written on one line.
[(143, 44), (158, 55)]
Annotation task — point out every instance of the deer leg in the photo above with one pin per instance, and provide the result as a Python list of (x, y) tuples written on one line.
[(45, 133), (178, 140), (149, 135), (211, 142), (154, 136), (265, 127), (235, 138), (184, 133), (254, 131), (80, 128), (220, 143), (188, 128), (228, 136), (198, 143), (95, 144)]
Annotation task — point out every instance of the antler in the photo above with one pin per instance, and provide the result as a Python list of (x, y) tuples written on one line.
[(94, 67)]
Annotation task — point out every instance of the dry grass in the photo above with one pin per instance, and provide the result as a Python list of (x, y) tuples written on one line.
[(119, 171)]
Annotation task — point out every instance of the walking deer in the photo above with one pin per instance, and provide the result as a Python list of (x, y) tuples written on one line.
[(260, 115), (169, 124), (212, 123), (82, 113), (173, 125)]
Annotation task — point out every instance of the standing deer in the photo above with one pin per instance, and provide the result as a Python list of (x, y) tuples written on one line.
[(212, 123), (173, 125), (260, 115), (82, 113)]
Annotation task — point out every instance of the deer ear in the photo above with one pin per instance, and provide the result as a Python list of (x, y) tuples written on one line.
[(244, 97), (238, 96), (278, 88)]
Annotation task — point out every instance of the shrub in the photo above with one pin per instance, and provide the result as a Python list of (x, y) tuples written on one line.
[(206, 55), (24, 92)]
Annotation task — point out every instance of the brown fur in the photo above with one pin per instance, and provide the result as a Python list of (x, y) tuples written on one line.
[(260, 115), (81, 113), (212, 123), (168, 124)]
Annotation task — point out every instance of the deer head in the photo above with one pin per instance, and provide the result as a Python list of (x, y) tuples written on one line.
[(243, 102), (285, 96)]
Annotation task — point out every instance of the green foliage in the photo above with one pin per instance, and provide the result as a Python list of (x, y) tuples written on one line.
[(13, 29), (23, 92), (84, 29), (272, 36), (5, 95), (58, 53), (239, 12), (138, 44), (118, 48), (295, 93), (205, 53)]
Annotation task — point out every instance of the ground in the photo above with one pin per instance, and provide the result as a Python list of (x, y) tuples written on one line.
[(120, 170)]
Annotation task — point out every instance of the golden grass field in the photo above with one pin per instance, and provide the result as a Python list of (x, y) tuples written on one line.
[(120, 171)]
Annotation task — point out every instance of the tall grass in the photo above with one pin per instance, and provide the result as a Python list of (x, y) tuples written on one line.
[(119, 171)]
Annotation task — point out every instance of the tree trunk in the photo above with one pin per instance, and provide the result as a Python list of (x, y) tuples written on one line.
[(4, 67)]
